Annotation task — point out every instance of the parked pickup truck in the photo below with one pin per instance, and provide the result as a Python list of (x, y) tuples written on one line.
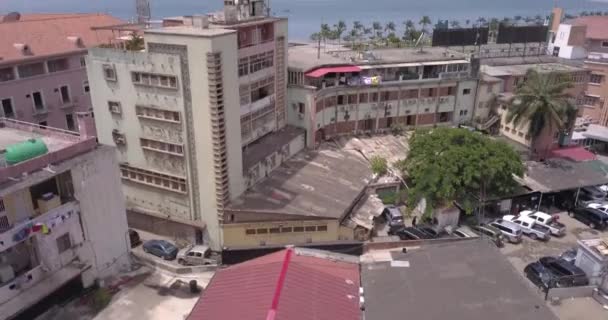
[(530, 227), (546, 220)]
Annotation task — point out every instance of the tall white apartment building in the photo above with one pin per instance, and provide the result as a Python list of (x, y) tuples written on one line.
[(185, 112)]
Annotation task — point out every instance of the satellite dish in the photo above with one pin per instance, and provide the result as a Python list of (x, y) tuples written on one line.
[(12, 17)]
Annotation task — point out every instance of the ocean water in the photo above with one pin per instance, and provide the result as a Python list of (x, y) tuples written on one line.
[(305, 16)]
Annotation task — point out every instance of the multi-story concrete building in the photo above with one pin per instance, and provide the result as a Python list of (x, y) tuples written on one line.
[(511, 76), (596, 95), (62, 213), (42, 66), (576, 38), (346, 92), (183, 132)]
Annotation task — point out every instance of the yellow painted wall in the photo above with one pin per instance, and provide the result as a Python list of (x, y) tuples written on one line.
[(235, 234), (19, 205)]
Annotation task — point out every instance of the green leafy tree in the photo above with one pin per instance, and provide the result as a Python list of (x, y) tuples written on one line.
[(447, 164), (379, 165), (410, 33), (455, 24), (315, 36), (339, 29), (424, 21), (543, 103)]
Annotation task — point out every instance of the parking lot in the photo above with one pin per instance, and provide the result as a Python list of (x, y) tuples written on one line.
[(530, 250)]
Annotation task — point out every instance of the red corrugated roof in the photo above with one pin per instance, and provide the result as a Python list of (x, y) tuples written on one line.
[(323, 71), (312, 288), (573, 153), (597, 26), (47, 34)]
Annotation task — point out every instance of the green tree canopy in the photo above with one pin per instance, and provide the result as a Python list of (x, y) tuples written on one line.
[(447, 164)]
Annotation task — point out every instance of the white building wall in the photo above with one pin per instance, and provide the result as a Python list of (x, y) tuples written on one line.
[(463, 111), (296, 95)]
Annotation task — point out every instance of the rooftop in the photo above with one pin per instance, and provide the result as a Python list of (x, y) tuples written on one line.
[(574, 153), (559, 174), (521, 69), (51, 34), (598, 246), (304, 56), (190, 31), (323, 183), (596, 131), (459, 280), (597, 26), (61, 145), (292, 284)]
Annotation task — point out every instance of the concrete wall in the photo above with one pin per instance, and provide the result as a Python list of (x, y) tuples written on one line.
[(594, 45), (485, 94), (18, 205), (74, 77), (235, 233), (572, 292), (295, 96), (103, 212)]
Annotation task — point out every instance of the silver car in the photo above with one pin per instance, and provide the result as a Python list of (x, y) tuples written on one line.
[(510, 230), (194, 255)]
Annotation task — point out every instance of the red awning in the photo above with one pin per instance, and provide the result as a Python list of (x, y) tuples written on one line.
[(323, 71)]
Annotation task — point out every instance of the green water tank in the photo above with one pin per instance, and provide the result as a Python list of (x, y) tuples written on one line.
[(26, 150)]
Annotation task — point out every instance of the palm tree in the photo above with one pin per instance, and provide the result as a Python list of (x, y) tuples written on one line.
[(410, 33), (339, 29), (455, 24), (467, 22), (367, 31), (481, 21), (353, 35), (542, 103), (377, 30), (424, 21), (325, 33), (389, 28)]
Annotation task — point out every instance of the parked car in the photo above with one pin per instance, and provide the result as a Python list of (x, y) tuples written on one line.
[(411, 233), (491, 232), (511, 231), (600, 206), (134, 238), (567, 274), (594, 218), (429, 230), (465, 232), (393, 217), (529, 227), (194, 255), (557, 228), (161, 248), (591, 193), (540, 275), (569, 255)]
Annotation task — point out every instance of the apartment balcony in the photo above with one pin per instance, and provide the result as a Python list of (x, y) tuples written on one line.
[(597, 57), (21, 231), (257, 105)]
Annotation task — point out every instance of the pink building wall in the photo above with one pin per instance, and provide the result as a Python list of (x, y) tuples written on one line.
[(49, 83)]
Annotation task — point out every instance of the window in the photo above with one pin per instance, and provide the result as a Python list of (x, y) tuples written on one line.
[(64, 243), (114, 107), (30, 70), (605, 44), (286, 229), (300, 108), (69, 120), (154, 179), (65, 94), (321, 228), (274, 230), (341, 100), (83, 62), (161, 146), (298, 229), (85, 87), (260, 61), (352, 99), (57, 65), (589, 100), (109, 73), (310, 228), (157, 114), (250, 231), (42, 124), (243, 66), (466, 91), (262, 231), (363, 97), (7, 74), (7, 108), (595, 79), (38, 101)]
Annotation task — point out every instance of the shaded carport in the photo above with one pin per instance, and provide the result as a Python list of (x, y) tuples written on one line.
[(557, 175)]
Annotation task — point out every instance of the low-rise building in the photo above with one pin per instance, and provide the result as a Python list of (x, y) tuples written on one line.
[(577, 38), (511, 77), (62, 213), (42, 66), (342, 92)]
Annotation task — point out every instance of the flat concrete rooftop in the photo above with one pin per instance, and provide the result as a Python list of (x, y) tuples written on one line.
[(305, 56), (521, 69), (262, 148), (11, 136)]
